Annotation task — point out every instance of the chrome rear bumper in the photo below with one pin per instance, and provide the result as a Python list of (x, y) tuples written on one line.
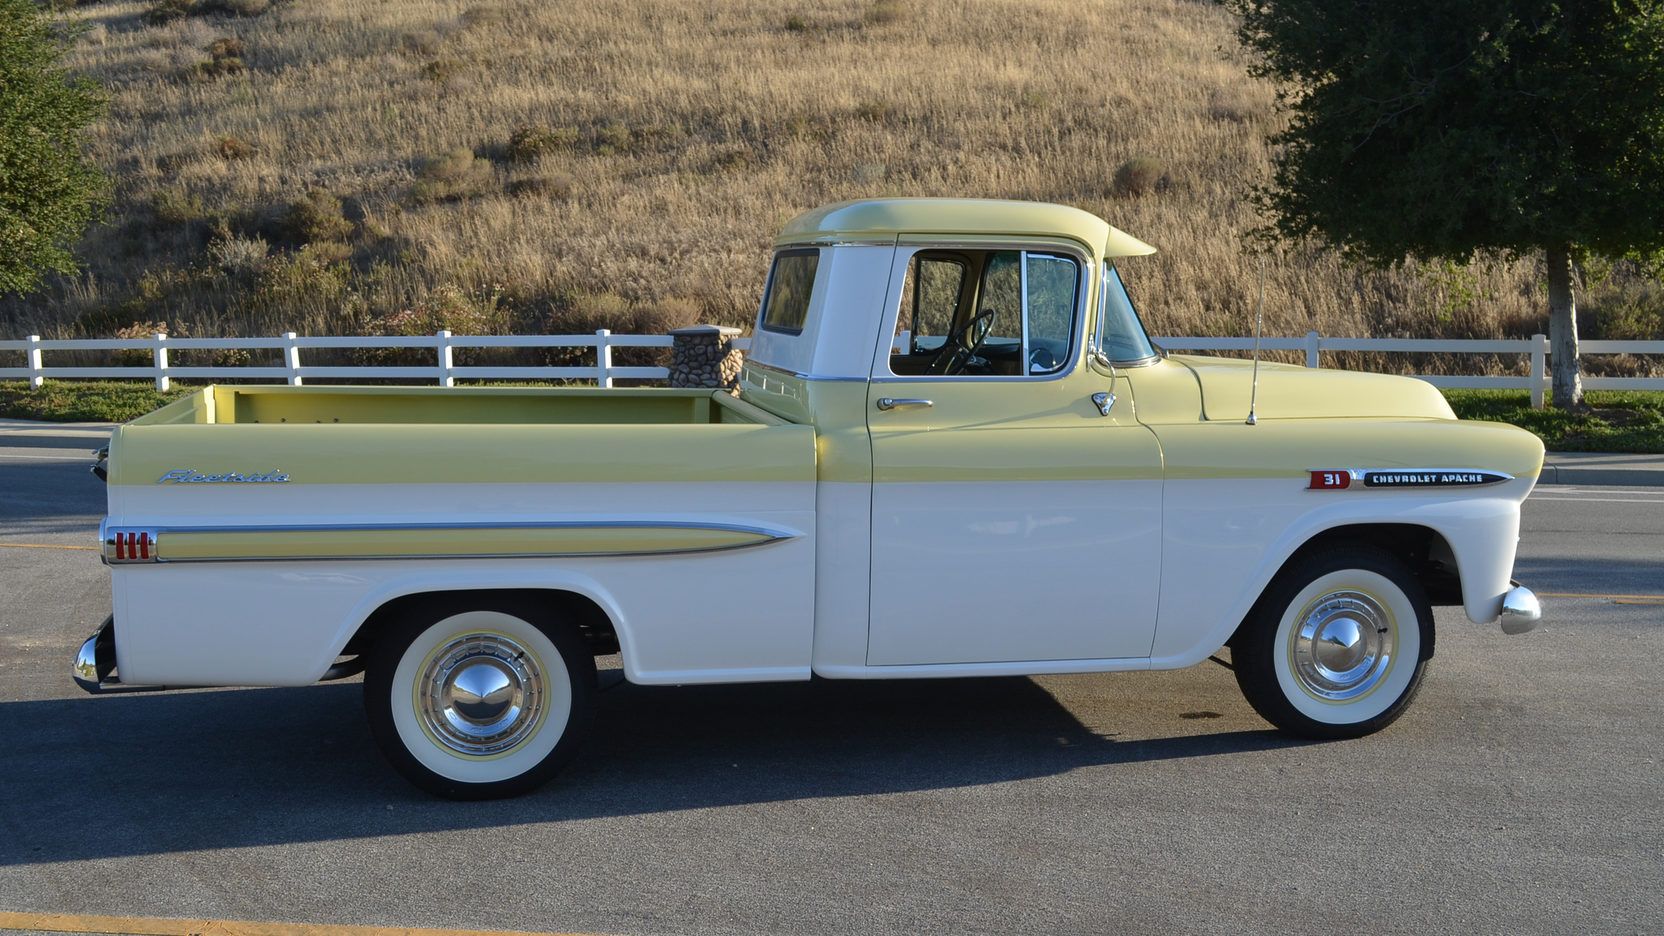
[(1521, 611), (95, 663)]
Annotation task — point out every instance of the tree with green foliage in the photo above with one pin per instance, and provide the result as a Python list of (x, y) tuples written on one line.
[(49, 193), (1430, 129)]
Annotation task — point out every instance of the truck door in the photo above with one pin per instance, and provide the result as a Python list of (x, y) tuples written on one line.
[(1012, 520)]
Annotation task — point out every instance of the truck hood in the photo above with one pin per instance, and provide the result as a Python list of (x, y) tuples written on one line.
[(1290, 392)]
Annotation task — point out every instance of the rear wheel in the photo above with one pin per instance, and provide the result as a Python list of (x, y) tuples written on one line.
[(1334, 647), (479, 702)]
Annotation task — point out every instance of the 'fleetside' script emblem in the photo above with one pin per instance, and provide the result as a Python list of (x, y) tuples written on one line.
[(192, 476)]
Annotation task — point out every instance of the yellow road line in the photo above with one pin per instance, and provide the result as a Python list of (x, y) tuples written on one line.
[(152, 926), (1607, 597), (46, 546)]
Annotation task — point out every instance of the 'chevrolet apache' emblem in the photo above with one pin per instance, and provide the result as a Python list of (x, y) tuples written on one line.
[(1341, 479), (1427, 478), (192, 476)]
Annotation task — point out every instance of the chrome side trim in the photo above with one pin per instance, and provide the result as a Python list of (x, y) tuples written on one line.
[(791, 373), (768, 535)]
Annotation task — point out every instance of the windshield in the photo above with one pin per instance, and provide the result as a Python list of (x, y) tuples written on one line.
[(1121, 335)]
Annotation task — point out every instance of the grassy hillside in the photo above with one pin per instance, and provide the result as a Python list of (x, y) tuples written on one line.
[(401, 165)]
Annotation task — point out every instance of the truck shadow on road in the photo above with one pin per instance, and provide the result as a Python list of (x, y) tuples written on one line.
[(149, 774)]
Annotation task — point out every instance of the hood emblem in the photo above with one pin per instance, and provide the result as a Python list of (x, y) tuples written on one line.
[(193, 476)]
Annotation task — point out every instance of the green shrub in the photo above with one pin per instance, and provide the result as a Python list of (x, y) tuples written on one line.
[(796, 24), (175, 205), (238, 256), (232, 148), (883, 13), (1140, 176), (550, 185), (532, 142), (316, 217), (453, 176), (166, 11)]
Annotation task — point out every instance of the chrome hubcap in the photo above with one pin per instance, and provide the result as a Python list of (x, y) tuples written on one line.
[(481, 694), (1342, 646)]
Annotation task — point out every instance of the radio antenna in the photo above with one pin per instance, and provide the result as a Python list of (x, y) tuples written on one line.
[(1259, 317)]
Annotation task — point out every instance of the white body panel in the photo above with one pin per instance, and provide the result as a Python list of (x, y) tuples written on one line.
[(679, 618), (838, 335), (991, 572)]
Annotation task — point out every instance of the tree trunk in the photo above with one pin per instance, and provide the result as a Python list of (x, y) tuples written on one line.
[(1567, 384)]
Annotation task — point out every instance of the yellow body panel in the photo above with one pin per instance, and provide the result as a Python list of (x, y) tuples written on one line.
[(465, 454)]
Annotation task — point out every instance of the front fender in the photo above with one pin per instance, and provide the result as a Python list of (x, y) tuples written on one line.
[(1226, 539)]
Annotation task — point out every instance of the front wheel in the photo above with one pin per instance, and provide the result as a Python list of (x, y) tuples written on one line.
[(1334, 649), (480, 702)]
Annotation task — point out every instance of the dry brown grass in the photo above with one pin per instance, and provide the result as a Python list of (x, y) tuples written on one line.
[(628, 154)]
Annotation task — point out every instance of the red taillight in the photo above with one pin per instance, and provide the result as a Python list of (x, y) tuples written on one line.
[(1331, 479)]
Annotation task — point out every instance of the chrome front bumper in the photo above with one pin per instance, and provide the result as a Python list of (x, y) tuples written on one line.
[(95, 663), (1521, 611)]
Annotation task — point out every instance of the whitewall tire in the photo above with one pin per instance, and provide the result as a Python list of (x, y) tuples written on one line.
[(478, 702), (1337, 645)]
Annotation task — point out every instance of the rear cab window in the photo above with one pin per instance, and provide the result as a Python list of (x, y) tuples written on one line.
[(791, 282)]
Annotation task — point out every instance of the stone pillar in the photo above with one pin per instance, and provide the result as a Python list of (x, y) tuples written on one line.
[(704, 356)]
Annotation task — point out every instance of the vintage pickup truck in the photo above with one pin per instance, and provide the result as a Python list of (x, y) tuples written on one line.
[(953, 452)]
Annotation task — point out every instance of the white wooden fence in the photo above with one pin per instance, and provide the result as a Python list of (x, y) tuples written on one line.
[(603, 372)]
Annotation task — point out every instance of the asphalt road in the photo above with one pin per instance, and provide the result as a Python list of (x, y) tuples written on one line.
[(1521, 794)]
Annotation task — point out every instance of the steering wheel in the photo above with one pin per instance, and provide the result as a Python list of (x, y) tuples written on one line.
[(963, 344)]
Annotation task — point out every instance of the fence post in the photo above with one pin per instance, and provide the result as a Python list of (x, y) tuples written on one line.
[(703, 356), (1539, 369), (603, 358), (160, 355), (33, 351), (291, 358), (445, 359), (1313, 345)]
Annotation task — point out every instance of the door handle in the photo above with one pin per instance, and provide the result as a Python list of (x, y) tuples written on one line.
[(890, 403)]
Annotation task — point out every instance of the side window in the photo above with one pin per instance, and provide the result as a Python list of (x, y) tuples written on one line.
[(932, 291), (790, 282), (987, 313), (1053, 282)]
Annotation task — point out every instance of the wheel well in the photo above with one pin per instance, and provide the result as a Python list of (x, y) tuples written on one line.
[(592, 621), (1423, 549)]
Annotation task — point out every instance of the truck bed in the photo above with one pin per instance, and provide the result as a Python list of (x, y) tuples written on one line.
[(458, 405)]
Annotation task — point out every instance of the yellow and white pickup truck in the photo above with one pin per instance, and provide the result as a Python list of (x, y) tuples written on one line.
[(953, 451)]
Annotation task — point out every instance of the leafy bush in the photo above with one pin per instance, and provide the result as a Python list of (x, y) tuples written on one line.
[(163, 12), (796, 24), (177, 205), (1140, 176), (532, 142), (454, 176), (550, 185), (225, 57), (49, 193), (232, 148), (235, 255), (883, 13), (316, 217)]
